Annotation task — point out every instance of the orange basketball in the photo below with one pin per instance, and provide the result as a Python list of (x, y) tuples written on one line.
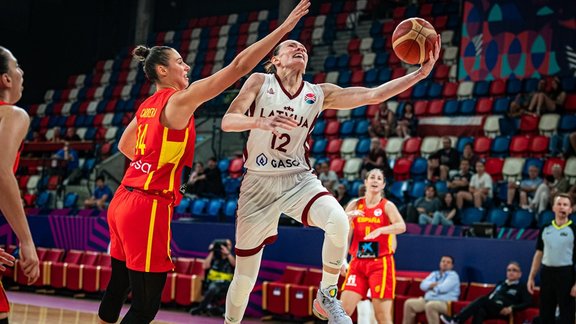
[(413, 39)]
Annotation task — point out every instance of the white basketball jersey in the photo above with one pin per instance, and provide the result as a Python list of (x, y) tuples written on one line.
[(287, 153)]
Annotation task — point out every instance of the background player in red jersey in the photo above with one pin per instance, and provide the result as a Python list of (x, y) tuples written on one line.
[(14, 122), (375, 222), (159, 142)]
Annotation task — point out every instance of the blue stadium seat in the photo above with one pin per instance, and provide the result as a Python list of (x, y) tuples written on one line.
[(500, 146), (417, 189), (199, 207), (481, 88), (462, 141), (530, 85), (498, 217), (521, 218), (468, 106), (471, 215), (359, 113), (435, 90), (184, 206), (347, 127), (513, 87), (397, 191), (568, 83), (231, 187), (319, 128), (344, 78), (567, 124), (381, 61), (420, 90), (230, 209), (223, 165), (319, 147), (70, 200), (538, 163), (545, 218), (363, 147), (419, 169), (501, 106), (214, 207), (342, 62), (376, 30), (371, 77), (451, 107), (441, 187), (362, 128), (44, 199)]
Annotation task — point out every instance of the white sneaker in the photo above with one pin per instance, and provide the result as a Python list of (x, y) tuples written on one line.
[(327, 307)]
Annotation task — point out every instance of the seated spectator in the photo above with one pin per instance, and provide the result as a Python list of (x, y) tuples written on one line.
[(572, 194), (548, 98), (508, 296), (571, 150), (101, 196), (56, 135), (468, 154), (461, 180), (71, 135), (440, 287), (546, 191), (196, 181), (447, 212), (37, 137), (427, 205), (383, 122), (519, 105), (526, 188), (480, 188), (376, 159), (328, 177), (406, 124), (219, 266), (341, 194), (444, 160), (66, 164), (214, 186)]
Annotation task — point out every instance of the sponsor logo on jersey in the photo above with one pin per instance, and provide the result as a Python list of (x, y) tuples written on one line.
[(280, 164), (148, 113), (378, 212), (371, 220), (270, 91), (310, 98), (261, 160), (145, 167), (351, 281)]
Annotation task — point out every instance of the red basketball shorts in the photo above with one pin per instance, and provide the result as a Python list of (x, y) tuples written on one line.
[(378, 275), (4, 304), (140, 230)]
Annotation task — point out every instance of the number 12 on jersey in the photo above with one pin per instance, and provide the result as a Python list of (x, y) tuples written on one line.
[(282, 142)]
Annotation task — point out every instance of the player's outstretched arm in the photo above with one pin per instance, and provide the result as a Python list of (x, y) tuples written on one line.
[(13, 127), (183, 104), (348, 98)]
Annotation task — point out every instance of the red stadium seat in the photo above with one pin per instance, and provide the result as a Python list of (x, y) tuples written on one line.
[(330, 114), (411, 147), (529, 124), (320, 77), (549, 163), (539, 146), (371, 111), (300, 297), (275, 294), (420, 108), (494, 167), (436, 107), (235, 168), (570, 103), (519, 146), (484, 106), (482, 146), (169, 291), (75, 271), (332, 129), (354, 46), (357, 78), (337, 165), (450, 90), (498, 88), (95, 277), (402, 169), (441, 72), (333, 148), (58, 269), (189, 285)]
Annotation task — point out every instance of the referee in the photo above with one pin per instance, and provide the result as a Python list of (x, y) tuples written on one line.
[(556, 252)]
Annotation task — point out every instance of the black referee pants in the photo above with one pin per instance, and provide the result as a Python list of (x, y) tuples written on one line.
[(555, 286)]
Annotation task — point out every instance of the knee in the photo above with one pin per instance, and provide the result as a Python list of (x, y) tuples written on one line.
[(337, 227), (241, 287)]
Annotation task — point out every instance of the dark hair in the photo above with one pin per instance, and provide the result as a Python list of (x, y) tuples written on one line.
[(3, 60), (101, 178), (268, 66), (563, 195), (150, 57), (448, 256), (516, 264)]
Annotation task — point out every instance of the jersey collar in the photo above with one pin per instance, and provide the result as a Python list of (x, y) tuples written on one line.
[(568, 223)]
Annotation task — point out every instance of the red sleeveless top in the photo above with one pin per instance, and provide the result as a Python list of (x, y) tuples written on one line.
[(362, 225), (17, 161), (160, 153)]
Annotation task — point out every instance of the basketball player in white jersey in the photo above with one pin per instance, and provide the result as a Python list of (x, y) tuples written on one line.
[(280, 110)]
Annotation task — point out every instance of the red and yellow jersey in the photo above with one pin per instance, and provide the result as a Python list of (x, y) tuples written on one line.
[(160, 152), (17, 160), (373, 218)]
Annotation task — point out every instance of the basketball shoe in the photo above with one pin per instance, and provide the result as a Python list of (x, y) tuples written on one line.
[(327, 307)]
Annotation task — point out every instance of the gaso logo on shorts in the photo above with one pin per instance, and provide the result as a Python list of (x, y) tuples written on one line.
[(145, 167), (310, 98), (261, 160)]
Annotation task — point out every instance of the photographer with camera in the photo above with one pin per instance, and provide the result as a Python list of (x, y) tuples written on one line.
[(219, 268)]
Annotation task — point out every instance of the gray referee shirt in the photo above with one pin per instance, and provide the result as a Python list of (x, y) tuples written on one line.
[(557, 244)]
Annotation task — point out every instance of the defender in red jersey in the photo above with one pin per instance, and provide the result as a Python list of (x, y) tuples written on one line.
[(159, 142), (374, 224), (14, 123)]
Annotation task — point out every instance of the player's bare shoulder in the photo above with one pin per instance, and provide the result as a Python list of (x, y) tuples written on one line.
[(14, 114)]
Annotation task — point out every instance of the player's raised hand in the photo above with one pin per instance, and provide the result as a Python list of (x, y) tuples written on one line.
[(298, 12), (434, 54), (275, 123)]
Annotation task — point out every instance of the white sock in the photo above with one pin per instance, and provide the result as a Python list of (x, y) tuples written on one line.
[(329, 279)]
